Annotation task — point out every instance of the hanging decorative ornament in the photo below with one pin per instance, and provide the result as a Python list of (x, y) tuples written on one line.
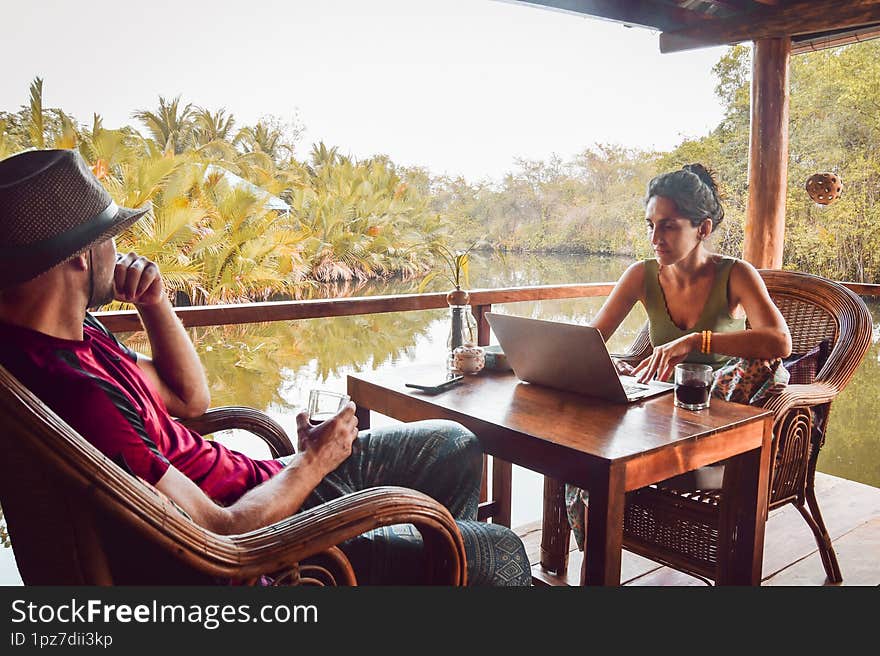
[(824, 188)]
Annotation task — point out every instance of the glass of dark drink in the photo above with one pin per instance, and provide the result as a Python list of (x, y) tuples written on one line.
[(324, 404), (692, 385)]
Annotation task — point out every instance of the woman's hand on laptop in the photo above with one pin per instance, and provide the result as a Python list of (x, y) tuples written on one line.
[(623, 368), (664, 358)]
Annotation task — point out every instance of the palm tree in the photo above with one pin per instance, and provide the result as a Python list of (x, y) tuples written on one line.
[(167, 233), (170, 126), (262, 138), (211, 138), (36, 130), (36, 126), (244, 251), (107, 149), (361, 219), (210, 127), (322, 158)]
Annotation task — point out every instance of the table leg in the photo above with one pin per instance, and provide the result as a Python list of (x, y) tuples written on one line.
[(604, 539), (502, 490), (744, 515), (484, 480), (555, 531)]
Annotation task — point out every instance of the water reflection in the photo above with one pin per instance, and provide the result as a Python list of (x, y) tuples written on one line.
[(852, 445)]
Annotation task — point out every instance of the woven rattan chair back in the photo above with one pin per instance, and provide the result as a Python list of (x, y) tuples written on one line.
[(75, 517), (61, 497), (808, 323)]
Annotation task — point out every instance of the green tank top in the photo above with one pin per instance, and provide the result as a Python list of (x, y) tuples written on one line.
[(715, 315)]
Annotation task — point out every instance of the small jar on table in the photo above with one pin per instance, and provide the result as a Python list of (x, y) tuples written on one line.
[(468, 359)]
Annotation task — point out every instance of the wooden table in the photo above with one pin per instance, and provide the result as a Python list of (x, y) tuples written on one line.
[(607, 449)]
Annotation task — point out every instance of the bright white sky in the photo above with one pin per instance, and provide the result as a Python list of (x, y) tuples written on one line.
[(462, 87)]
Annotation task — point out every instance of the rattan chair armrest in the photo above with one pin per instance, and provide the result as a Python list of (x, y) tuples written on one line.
[(801, 396), (312, 531), (249, 419)]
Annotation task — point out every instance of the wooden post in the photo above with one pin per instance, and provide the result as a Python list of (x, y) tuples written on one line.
[(483, 329), (768, 154)]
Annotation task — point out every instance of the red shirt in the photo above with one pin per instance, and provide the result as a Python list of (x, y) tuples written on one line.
[(96, 387)]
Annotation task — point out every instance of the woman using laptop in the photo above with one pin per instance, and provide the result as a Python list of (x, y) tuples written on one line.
[(697, 303)]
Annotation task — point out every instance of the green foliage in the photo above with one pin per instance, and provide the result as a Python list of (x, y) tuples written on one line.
[(35, 125), (352, 221), (593, 203), (835, 126), (589, 205), (7, 145), (218, 242), (457, 265), (170, 126), (360, 219)]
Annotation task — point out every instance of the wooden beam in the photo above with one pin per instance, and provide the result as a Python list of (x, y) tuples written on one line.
[(811, 43), (768, 154), (644, 13), (773, 22), (739, 5)]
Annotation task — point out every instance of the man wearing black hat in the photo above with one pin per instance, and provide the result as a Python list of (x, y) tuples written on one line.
[(58, 259)]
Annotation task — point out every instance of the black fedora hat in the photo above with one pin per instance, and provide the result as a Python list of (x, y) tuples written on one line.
[(52, 208)]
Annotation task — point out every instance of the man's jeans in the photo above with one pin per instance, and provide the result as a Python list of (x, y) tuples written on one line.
[(443, 460)]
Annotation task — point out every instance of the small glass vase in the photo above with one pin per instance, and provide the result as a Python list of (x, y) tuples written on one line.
[(462, 325)]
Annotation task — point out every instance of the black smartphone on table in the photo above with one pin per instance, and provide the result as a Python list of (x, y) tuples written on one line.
[(432, 387)]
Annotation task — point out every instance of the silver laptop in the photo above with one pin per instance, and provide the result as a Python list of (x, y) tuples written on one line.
[(568, 357)]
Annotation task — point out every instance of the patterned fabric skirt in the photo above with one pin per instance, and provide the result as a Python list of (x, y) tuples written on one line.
[(443, 460), (741, 380)]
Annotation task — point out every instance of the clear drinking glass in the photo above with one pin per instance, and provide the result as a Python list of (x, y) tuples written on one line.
[(692, 385), (324, 404)]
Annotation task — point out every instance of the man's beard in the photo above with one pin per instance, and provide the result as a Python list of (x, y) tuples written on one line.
[(102, 296), (104, 291)]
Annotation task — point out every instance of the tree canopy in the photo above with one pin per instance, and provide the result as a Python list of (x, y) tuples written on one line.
[(352, 220)]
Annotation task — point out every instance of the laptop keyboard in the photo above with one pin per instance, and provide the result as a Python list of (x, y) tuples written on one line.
[(633, 389)]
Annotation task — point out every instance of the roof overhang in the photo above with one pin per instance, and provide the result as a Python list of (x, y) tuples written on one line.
[(688, 24)]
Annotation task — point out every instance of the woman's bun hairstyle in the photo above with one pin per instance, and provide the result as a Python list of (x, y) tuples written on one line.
[(694, 191), (703, 174)]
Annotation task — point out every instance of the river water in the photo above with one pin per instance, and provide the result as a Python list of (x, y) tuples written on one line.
[(273, 366)]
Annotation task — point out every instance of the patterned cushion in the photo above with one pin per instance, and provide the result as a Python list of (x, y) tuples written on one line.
[(749, 381), (803, 367)]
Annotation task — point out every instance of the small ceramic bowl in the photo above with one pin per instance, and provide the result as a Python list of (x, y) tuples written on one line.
[(469, 359)]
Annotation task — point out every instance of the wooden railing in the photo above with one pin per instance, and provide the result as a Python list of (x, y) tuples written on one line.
[(481, 302), (863, 288)]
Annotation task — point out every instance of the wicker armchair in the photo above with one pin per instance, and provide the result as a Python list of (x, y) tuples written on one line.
[(679, 528), (75, 517)]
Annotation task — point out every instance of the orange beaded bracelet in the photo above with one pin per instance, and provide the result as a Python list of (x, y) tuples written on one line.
[(707, 342)]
